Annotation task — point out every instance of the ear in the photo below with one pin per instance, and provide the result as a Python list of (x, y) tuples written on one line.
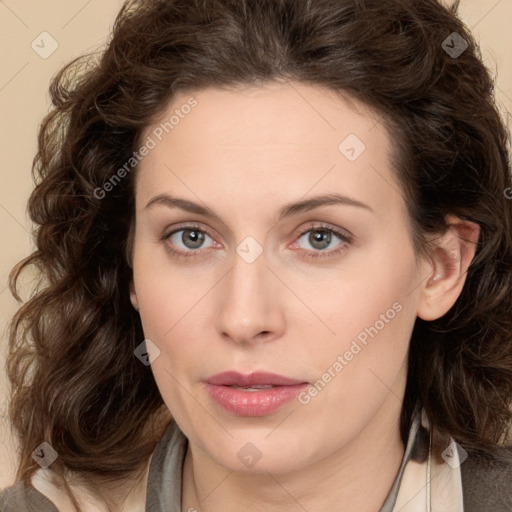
[(451, 257), (133, 296)]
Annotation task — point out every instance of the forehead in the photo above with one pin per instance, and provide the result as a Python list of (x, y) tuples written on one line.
[(286, 137), (271, 113)]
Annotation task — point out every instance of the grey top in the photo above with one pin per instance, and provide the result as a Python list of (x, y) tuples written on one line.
[(487, 486)]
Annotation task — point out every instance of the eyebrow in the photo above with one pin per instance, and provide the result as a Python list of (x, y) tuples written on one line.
[(287, 210)]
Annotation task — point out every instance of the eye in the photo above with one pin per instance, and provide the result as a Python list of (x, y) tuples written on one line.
[(189, 240), (320, 239), (186, 241)]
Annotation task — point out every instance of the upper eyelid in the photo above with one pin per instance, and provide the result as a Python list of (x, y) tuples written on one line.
[(175, 229), (324, 225), (298, 233)]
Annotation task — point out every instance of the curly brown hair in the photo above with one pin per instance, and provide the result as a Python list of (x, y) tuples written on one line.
[(75, 381)]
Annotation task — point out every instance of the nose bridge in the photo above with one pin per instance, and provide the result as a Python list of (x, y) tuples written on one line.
[(249, 304)]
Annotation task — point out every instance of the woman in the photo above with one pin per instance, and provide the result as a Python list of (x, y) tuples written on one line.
[(276, 252)]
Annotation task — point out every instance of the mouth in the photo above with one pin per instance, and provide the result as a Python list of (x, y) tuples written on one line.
[(252, 388), (255, 394), (252, 380)]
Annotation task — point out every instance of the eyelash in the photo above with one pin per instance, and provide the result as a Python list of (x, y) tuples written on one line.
[(344, 238)]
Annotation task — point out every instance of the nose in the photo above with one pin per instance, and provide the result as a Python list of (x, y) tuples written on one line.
[(250, 307)]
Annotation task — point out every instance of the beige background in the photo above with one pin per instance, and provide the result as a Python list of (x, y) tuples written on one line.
[(82, 25)]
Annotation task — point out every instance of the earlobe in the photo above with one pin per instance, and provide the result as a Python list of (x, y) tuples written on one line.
[(450, 259), (133, 296)]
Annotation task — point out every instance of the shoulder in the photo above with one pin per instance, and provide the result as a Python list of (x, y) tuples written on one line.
[(22, 497), (43, 494), (487, 483)]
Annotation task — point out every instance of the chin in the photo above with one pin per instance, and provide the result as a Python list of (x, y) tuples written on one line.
[(251, 453)]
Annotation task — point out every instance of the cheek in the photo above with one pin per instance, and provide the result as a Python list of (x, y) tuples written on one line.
[(367, 359), (166, 291), (372, 293), (371, 312), (177, 315)]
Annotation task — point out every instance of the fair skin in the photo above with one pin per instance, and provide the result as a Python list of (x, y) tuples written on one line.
[(244, 154)]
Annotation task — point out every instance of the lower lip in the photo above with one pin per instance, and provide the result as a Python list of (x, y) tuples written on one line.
[(254, 403)]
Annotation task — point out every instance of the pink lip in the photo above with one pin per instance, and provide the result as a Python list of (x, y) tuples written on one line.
[(253, 403)]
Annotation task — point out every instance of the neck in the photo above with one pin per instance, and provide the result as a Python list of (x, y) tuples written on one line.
[(357, 477)]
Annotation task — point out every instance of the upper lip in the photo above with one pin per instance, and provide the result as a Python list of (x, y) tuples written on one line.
[(257, 378)]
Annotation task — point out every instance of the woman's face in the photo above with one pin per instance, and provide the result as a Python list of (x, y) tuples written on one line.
[(235, 278)]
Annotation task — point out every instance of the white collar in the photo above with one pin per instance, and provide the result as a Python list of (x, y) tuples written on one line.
[(424, 484)]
